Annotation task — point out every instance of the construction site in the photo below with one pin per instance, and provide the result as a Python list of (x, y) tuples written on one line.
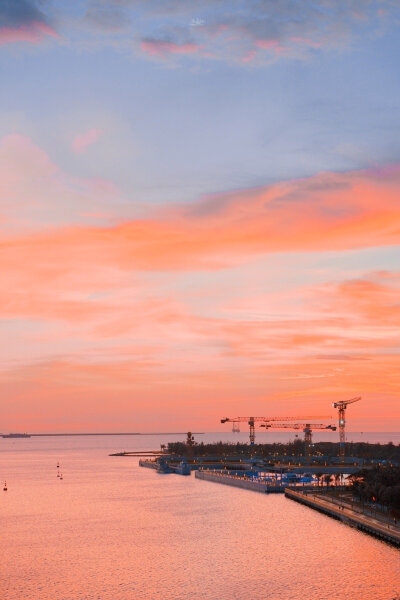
[(182, 458), (320, 475), (271, 466)]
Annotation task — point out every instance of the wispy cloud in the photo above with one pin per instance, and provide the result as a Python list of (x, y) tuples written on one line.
[(328, 211), (256, 32), (82, 141), (262, 32), (372, 300), (162, 48), (137, 307), (37, 193)]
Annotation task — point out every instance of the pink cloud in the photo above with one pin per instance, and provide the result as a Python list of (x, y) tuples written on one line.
[(272, 45), (306, 41), (161, 48), (35, 192), (249, 56), (82, 141), (32, 33)]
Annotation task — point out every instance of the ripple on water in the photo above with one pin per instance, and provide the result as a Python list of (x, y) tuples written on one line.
[(113, 531)]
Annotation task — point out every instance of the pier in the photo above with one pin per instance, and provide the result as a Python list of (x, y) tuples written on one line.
[(149, 464), (386, 529), (240, 481), (140, 453)]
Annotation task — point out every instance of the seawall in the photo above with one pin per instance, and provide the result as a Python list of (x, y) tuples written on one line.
[(385, 531), (150, 464), (241, 482)]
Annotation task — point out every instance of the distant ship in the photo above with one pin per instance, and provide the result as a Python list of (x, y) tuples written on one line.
[(16, 435)]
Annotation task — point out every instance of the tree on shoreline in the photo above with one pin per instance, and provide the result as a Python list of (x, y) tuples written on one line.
[(389, 452), (381, 485)]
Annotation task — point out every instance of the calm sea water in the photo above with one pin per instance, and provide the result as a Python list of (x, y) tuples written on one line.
[(112, 530)]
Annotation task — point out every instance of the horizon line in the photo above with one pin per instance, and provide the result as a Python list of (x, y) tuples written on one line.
[(53, 434)]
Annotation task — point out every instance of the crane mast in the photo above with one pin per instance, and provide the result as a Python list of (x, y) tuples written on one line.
[(341, 406)]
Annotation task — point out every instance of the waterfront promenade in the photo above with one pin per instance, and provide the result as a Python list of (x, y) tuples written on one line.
[(385, 529)]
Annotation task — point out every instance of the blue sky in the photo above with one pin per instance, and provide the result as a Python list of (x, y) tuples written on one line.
[(331, 108)]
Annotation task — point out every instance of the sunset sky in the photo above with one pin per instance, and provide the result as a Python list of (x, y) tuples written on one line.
[(200, 212)]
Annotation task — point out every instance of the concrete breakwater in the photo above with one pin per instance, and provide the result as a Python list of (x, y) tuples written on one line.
[(163, 466), (149, 464), (390, 532), (175, 462), (240, 481)]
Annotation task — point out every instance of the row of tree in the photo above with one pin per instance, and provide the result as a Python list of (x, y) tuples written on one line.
[(380, 485), (389, 452)]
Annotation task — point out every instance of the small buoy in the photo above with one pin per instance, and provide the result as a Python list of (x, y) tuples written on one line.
[(58, 465), (5, 486), (61, 476), (58, 473)]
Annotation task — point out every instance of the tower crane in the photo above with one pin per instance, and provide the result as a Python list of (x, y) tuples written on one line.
[(307, 429), (341, 406), (251, 421)]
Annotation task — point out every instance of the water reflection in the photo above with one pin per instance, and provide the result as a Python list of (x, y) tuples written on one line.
[(111, 530)]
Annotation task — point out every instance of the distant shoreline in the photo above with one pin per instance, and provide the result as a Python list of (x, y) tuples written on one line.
[(126, 433), (67, 434)]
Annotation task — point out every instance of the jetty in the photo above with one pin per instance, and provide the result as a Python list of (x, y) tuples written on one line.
[(162, 465), (241, 481), (384, 528), (148, 464), (140, 453)]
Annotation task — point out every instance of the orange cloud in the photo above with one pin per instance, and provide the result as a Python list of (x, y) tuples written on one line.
[(135, 394), (372, 300), (376, 299), (121, 313), (329, 211), (325, 212)]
